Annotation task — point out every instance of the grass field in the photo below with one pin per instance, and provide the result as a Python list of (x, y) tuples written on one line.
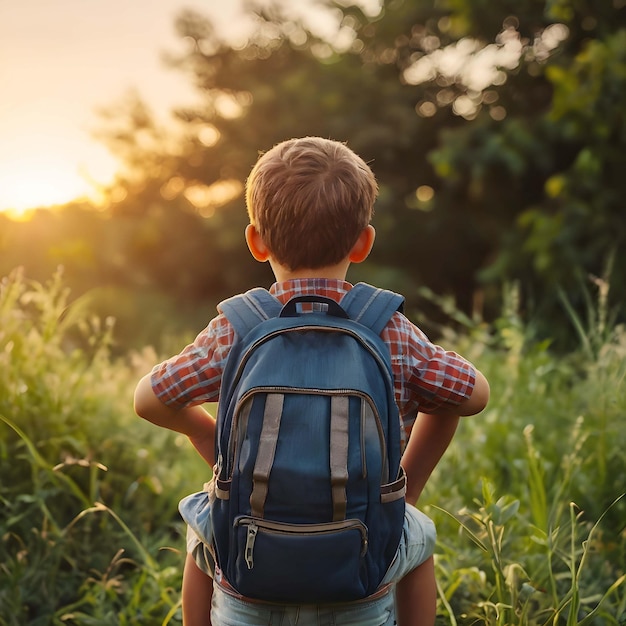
[(529, 499)]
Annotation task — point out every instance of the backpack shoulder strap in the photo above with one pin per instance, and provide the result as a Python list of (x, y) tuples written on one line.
[(247, 310), (371, 306)]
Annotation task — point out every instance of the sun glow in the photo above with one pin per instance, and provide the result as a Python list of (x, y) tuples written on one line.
[(40, 170), (38, 182)]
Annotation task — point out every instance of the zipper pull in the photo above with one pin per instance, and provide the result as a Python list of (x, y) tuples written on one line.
[(253, 529)]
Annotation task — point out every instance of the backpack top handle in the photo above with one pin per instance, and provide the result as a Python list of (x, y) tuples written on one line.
[(328, 306)]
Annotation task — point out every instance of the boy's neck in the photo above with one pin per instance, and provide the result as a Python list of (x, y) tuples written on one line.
[(334, 272)]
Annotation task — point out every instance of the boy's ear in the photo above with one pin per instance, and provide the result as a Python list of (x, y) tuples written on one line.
[(363, 246), (257, 247)]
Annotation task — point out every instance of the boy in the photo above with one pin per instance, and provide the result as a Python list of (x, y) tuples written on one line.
[(310, 202)]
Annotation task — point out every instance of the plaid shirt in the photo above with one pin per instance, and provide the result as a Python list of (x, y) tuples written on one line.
[(426, 377)]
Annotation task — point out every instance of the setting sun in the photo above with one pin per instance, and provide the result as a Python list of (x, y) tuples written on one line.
[(37, 182), (40, 170), (58, 70)]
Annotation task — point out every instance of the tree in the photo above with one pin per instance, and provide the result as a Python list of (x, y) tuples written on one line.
[(495, 132), (544, 169)]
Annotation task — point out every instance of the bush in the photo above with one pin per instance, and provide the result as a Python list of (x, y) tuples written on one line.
[(529, 499), (89, 526)]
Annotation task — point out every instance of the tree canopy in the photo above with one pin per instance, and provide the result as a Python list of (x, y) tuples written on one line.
[(496, 132)]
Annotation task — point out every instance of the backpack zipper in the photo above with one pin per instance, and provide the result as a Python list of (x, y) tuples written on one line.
[(244, 359), (346, 331), (234, 431), (253, 529), (254, 525)]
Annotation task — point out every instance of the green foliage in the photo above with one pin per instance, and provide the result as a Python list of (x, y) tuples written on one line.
[(526, 189), (523, 574), (499, 161), (544, 541), (529, 500), (85, 516)]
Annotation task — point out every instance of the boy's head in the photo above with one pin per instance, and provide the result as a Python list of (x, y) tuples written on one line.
[(309, 199)]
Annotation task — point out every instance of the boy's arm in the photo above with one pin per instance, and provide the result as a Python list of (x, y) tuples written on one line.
[(431, 435), (193, 421)]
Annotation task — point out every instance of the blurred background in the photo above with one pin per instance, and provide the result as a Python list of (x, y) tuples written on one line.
[(495, 129), (497, 133)]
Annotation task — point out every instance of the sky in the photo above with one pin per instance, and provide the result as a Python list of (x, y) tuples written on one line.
[(61, 61)]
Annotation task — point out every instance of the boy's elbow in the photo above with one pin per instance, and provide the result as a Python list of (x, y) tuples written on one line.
[(143, 398), (139, 405), (479, 398)]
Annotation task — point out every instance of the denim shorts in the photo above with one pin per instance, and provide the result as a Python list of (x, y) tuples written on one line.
[(228, 610), (417, 544)]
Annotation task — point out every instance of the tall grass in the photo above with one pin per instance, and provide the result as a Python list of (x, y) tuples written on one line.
[(89, 532), (528, 500)]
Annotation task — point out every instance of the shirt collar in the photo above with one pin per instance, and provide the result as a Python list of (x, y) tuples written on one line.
[(328, 287)]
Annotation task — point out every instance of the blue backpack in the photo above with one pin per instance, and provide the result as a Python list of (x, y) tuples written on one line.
[(309, 490)]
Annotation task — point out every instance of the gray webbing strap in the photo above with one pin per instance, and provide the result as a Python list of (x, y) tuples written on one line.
[(267, 449), (394, 491), (339, 454)]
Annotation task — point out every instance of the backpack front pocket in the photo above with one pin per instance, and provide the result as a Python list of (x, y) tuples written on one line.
[(283, 562)]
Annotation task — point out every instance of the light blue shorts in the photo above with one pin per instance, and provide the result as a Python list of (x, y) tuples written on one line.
[(417, 544)]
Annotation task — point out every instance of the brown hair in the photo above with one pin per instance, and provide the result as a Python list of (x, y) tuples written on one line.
[(310, 199)]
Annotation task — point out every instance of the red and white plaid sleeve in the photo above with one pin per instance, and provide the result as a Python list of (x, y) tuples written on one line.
[(193, 376), (427, 377)]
